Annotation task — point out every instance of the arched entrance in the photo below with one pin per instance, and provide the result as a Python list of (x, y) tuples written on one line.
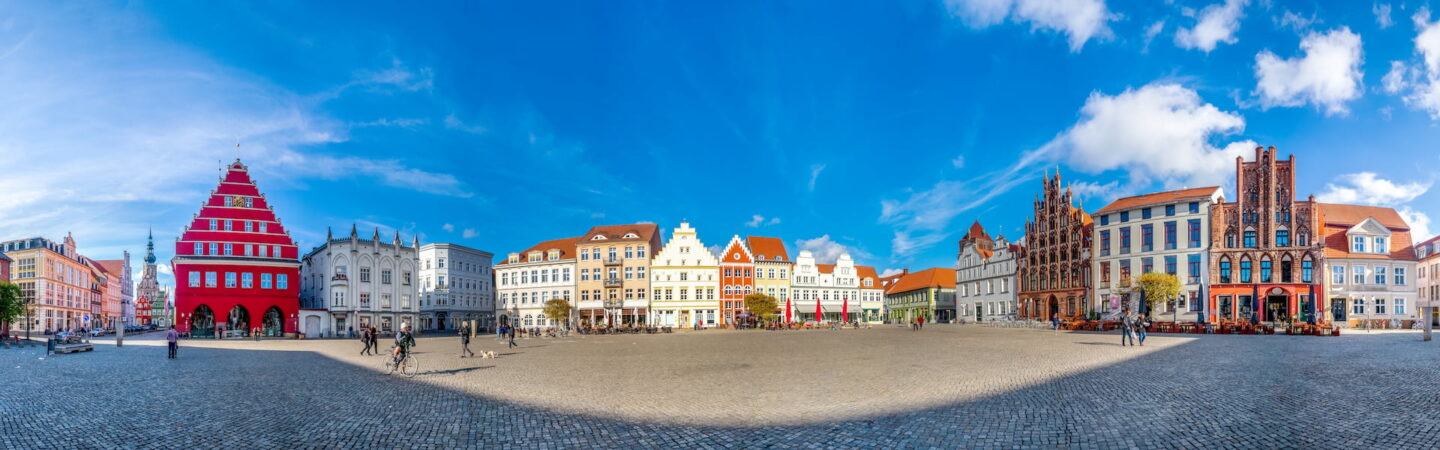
[(239, 320), (273, 322), (202, 322), (440, 319), (1054, 309)]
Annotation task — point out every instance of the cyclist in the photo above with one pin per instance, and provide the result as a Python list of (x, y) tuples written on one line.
[(403, 341)]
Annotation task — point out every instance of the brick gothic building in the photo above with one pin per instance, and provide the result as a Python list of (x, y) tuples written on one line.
[(236, 267), (1054, 270), (1265, 253)]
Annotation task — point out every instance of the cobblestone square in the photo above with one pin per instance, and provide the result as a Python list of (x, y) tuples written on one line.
[(948, 386)]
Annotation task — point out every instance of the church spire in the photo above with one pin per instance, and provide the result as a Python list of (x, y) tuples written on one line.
[(150, 248)]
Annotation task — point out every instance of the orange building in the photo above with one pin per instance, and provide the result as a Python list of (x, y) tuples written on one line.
[(737, 279)]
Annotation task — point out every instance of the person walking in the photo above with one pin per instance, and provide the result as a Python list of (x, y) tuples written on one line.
[(172, 337), (920, 321), (1127, 328), (374, 340), (352, 332), (364, 341), (1141, 323), (465, 341), (510, 334), (1055, 321)]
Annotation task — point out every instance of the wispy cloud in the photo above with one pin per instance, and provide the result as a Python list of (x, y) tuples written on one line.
[(1368, 188), (827, 250), (815, 170), (449, 227), (1080, 20), (469, 233), (757, 221)]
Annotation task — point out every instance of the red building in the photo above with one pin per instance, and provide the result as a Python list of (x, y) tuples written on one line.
[(1054, 270), (737, 279), (236, 268)]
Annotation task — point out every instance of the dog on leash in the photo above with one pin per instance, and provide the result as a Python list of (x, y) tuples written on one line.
[(487, 355)]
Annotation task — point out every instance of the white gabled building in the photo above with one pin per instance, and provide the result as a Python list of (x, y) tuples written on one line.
[(352, 282), (457, 285), (834, 288), (985, 277), (1370, 265), (684, 282)]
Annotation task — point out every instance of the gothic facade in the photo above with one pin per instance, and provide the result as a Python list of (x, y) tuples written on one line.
[(1054, 270)]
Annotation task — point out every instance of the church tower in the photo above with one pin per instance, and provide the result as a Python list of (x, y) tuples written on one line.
[(149, 290)]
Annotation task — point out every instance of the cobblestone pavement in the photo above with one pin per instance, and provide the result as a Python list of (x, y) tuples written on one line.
[(944, 387)]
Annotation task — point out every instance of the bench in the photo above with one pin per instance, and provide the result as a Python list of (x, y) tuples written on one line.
[(72, 348)]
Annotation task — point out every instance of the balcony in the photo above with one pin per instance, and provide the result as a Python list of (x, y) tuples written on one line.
[(613, 261), (612, 282)]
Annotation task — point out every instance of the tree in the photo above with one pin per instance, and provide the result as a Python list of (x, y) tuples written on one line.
[(761, 305), (1157, 287), (558, 310), (11, 306)]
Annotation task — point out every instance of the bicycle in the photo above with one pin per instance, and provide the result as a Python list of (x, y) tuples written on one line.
[(408, 365)]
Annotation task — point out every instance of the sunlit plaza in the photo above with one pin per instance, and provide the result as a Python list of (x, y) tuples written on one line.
[(946, 386)]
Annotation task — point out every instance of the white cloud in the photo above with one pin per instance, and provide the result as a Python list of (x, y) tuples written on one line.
[(1327, 76), (825, 249), (455, 123), (757, 221), (1151, 31), (1382, 15), (1369, 189), (469, 233), (448, 227), (815, 170), (1423, 78), (922, 220), (163, 269), (1080, 20), (1216, 23), (1398, 78), (1159, 132), (890, 272), (958, 162), (1296, 22), (1105, 192)]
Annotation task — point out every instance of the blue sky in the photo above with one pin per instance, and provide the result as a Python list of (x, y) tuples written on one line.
[(880, 128)]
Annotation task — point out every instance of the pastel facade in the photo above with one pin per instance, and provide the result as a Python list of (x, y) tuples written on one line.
[(358, 283), (872, 297), (685, 285), (525, 280), (1164, 232), (1370, 265), (457, 285), (614, 273), (985, 277), (56, 280), (1428, 277), (928, 294), (830, 289), (737, 279), (118, 293), (773, 268)]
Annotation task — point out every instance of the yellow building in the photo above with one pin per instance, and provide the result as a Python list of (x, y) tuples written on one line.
[(773, 268), (685, 285), (614, 266), (54, 277)]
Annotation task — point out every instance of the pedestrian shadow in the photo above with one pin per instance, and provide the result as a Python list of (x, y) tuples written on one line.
[(456, 371)]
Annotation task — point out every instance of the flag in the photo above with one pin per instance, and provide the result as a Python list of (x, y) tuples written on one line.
[(818, 313), (788, 310), (845, 310), (1255, 304)]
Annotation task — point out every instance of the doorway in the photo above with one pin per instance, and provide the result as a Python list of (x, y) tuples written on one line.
[(1277, 308), (273, 322), (440, 319), (979, 312), (1338, 308), (202, 322)]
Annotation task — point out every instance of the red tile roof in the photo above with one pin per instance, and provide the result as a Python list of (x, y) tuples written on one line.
[(887, 281), (1158, 198), (612, 233), (933, 277), (111, 266), (767, 248), (825, 268), (868, 272), (1337, 219), (566, 247)]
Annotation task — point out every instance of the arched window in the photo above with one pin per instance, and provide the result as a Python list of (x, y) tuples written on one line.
[(1282, 238), (1287, 269), (1307, 271), (1225, 270), (1250, 239), (1266, 270), (1245, 270)]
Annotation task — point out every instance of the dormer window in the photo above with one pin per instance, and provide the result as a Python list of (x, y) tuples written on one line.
[(1357, 244), (554, 255), (631, 236), (534, 256), (514, 258), (1380, 246), (598, 237)]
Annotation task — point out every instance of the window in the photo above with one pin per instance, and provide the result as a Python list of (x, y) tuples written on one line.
[(1337, 274), (229, 225), (385, 276), (1282, 238), (229, 279), (1169, 210), (1171, 263), (214, 225), (247, 280), (1379, 275), (249, 226), (1307, 272), (1170, 235), (1380, 246), (1104, 242), (1250, 239), (440, 264), (1225, 271), (1147, 265), (640, 252), (1124, 272), (640, 273), (1359, 275), (1357, 245), (1358, 307), (364, 299), (364, 274), (1194, 228), (1379, 306), (262, 226), (1302, 240), (1125, 216), (249, 249), (1194, 207), (210, 279), (1399, 277), (1265, 271), (1147, 237), (1105, 219), (229, 249), (275, 251), (1145, 213), (1399, 306), (1125, 240), (199, 248), (1192, 269), (194, 279), (1245, 271), (266, 281)]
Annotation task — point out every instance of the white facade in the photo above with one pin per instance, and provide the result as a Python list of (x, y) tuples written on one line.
[(1167, 232), (353, 283), (525, 281), (1370, 284), (985, 280), (1428, 277), (684, 282), (457, 285), (830, 286)]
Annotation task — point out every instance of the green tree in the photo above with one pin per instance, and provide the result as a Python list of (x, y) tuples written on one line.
[(1157, 287), (558, 310), (761, 305), (11, 306)]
